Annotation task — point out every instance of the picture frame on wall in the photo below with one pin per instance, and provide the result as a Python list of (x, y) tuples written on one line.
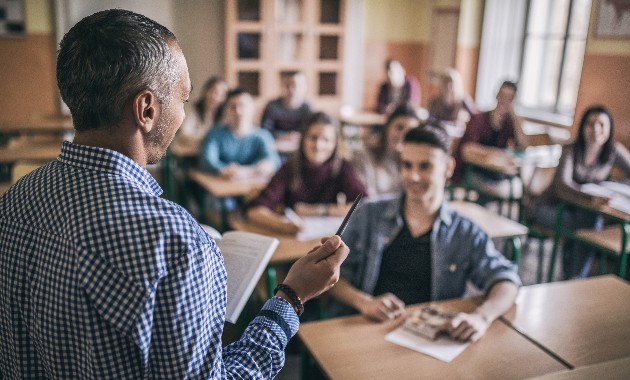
[(613, 19), (12, 18)]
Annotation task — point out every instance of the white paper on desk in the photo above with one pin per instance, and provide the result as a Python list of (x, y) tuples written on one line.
[(617, 188), (620, 203), (618, 193), (596, 190), (319, 226), (442, 348)]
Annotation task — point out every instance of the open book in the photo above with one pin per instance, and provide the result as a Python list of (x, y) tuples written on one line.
[(619, 193), (422, 332), (246, 255)]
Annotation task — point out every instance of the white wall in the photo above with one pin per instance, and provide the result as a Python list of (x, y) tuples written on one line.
[(198, 24)]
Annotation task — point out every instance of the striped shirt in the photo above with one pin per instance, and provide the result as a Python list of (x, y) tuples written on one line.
[(101, 278)]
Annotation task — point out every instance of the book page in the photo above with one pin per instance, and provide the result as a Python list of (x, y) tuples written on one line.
[(619, 193), (443, 348), (316, 227), (246, 255)]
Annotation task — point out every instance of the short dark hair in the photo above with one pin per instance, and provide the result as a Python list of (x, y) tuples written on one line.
[(430, 134), (238, 91), (403, 110), (509, 84), (106, 59)]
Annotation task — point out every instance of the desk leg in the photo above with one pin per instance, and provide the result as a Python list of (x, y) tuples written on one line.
[(623, 258), (516, 250), (556, 241)]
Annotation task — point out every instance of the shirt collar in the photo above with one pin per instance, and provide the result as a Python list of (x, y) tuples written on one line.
[(108, 161), (395, 211)]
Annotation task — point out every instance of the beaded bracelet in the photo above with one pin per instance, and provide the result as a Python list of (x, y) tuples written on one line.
[(295, 299)]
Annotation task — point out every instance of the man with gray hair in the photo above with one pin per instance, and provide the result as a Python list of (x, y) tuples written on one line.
[(99, 276)]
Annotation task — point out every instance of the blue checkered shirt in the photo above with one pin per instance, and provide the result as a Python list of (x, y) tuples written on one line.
[(100, 278)]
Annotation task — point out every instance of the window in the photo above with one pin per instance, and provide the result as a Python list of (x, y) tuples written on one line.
[(540, 44)]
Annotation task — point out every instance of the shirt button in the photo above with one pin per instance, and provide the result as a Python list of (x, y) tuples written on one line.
[(452, 268)]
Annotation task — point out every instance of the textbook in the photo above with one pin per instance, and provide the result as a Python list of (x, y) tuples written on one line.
[(428, 322), (424, 331), (246, 255)]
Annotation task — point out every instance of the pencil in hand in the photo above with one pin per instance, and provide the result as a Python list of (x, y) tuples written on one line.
[(349, 214)]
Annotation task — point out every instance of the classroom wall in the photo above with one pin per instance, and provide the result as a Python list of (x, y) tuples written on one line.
[(468, 42), (27, 63), (397, 29), (27, 66), (402, 29), (606, 79)]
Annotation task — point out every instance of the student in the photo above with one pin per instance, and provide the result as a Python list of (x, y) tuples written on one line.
[(113, 281), (316, 180), (238, 149), (284, 116), (206, 109), (487, 136), (452, 107), (398, 89), (589, 159), (378, 165), (413, 248)]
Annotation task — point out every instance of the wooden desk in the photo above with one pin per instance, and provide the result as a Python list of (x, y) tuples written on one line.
[(355, 348), (528, 160), (221, 189), (31, 153), (612, 370), (224, 188), (495, 225), (289, 249), (43, 126), (582, 321), (4, 187), (183, 149)]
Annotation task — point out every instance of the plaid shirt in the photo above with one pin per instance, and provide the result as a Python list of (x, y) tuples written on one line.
[(101, 278)]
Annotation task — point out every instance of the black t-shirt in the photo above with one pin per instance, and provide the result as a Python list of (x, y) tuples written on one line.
[(406, 268)]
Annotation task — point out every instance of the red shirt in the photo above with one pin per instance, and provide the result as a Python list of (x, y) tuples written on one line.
[(479, 130), (319, 185)]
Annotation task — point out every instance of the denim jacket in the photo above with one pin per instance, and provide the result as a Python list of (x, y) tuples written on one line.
[(460, 251)]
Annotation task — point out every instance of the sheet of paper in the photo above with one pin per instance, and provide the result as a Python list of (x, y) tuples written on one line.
[(619, 193), (617, 188), (596, 190), (620, 203), (319, 226), (443, 349)]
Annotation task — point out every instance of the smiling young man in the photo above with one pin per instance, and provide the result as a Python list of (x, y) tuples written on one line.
[(100, 277), (412, 248)]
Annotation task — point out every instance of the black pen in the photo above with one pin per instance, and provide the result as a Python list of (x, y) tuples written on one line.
[(349, 214)]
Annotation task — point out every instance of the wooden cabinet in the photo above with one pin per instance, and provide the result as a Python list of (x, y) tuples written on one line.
[(266, 39)]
